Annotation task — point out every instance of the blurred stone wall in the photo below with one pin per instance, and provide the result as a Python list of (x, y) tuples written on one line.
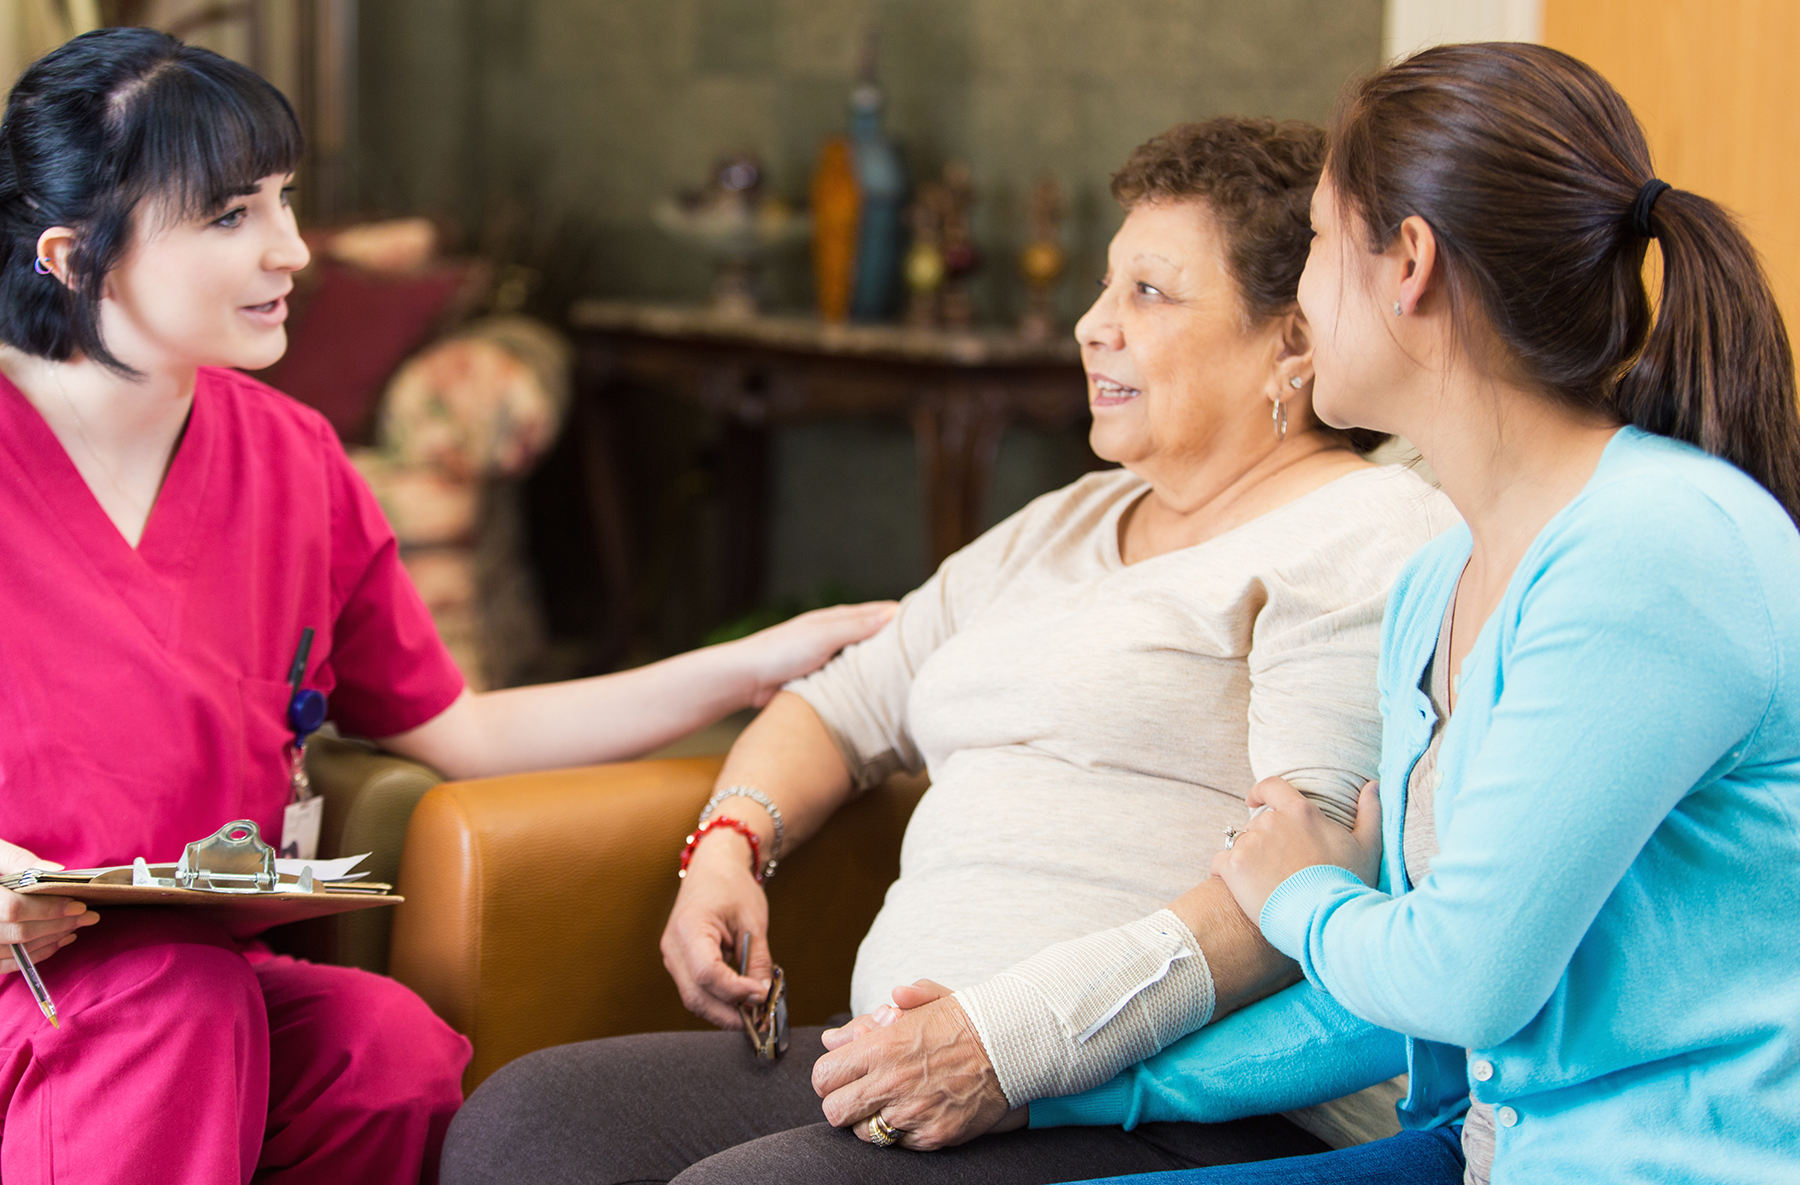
[(604, 106), (596, 108)]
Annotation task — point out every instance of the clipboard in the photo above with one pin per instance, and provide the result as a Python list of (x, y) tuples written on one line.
[(230, 877)]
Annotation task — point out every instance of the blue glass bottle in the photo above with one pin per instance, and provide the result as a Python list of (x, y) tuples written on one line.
[(881, 176)]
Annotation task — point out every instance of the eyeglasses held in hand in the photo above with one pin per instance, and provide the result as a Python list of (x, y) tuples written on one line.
[(765, 1021)]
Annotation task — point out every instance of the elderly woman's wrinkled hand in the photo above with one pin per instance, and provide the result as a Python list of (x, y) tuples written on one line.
[(920, 1067), (1294, 834), (717, 903), (881, 1018)]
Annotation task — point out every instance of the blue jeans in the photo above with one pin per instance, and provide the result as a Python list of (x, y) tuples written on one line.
[(1411, 1158)]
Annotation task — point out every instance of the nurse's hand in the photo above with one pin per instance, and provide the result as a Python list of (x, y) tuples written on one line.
[(803, 644), (1294, 834), (45, 924)]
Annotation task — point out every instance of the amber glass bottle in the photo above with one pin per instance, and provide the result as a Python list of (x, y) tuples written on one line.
[(836, 210)]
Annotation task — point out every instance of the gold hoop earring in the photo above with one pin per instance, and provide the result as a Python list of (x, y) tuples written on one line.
[(1278, 417)]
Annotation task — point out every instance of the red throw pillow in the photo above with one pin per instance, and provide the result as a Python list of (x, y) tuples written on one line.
[(355, 330)]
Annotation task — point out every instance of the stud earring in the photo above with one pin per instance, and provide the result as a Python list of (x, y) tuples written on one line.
[(42, 266), (1278, 416), (1398, 311), (1296, 382)]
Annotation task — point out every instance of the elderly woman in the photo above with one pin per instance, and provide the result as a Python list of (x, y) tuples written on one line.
[(1094, 686)]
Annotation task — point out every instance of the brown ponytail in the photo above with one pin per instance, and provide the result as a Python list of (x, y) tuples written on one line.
[(1528, 166), (1717, 370)]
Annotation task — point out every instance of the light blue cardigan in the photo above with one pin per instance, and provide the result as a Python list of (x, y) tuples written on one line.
[(1613, 924)]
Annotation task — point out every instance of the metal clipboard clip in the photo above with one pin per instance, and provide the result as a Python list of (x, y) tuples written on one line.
[(234, 859)]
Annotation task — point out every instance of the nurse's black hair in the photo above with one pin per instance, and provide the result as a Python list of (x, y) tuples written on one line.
[(94, 129)]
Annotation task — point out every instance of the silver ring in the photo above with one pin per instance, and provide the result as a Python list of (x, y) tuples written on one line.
[(880, 1134), (1231, 834)]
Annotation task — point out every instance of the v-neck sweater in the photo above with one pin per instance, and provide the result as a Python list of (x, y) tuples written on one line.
[(143, 691), (1419, 844), (1609, 922), (1603, 950)]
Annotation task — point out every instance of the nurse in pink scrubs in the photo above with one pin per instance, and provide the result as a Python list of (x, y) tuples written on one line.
[(168, 527)]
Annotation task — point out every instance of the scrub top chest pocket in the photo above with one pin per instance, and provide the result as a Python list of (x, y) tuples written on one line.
[(278, 720), (267, 780), (304, 714)]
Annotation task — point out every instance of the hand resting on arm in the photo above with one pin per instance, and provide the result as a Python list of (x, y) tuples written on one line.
[(1293, 834), (622, 715)]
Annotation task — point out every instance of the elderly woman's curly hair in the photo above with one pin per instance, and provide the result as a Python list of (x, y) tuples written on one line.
[(1256, 177)]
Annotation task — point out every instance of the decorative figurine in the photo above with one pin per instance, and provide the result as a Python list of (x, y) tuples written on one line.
[(961, 259), (925, 261), (836, 208), (737, 225), (1042, 260)]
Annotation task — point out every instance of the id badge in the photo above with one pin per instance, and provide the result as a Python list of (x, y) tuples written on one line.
[(300, 829)]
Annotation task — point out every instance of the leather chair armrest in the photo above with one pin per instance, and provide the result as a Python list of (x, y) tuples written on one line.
[(535, 902), (369, 798)]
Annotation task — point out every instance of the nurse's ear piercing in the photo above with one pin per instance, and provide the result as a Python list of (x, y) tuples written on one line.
[(42, 266), (1398, 311), (1296, 382)]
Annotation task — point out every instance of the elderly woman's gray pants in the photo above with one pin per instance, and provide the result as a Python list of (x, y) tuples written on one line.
[(698, 1109)]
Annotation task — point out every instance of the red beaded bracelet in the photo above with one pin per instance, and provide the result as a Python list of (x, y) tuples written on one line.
[(687, 853)]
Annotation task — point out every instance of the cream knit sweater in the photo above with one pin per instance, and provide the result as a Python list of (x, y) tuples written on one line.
[(1091, 727)]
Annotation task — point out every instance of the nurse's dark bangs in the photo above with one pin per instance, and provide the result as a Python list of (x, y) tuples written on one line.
[(115, 125), (192, 141)]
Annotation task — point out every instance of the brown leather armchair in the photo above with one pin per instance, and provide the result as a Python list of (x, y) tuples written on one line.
[(535, 902)]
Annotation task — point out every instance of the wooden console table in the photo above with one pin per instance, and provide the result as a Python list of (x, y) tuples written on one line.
[(958, 390)]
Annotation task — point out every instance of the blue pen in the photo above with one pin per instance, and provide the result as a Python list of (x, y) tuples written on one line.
[(306, 707)]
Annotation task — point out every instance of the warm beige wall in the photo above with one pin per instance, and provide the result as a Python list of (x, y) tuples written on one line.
[(31, 28), (1715, 84), (1410, 25)]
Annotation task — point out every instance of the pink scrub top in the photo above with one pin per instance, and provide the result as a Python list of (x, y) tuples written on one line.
[(143, 693)]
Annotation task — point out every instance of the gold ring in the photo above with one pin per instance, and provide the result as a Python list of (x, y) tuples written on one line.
[(880, 1134)]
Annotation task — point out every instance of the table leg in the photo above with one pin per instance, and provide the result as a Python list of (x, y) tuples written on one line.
[(744, 486), (958, 434), (612, 532), (597, 423)]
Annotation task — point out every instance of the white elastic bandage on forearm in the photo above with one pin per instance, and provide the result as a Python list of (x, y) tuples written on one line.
[(1073, 1015)]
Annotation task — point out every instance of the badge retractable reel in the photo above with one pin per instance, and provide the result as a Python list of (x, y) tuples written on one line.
[(305, 713)]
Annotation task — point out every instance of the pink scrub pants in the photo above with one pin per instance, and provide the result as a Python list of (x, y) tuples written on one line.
[(184, 1058)]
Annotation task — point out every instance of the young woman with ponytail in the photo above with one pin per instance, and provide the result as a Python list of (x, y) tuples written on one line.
[(1575, 892)]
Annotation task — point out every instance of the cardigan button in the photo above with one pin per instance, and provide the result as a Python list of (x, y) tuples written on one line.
[(1483, 1070), (1507, 1117)]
